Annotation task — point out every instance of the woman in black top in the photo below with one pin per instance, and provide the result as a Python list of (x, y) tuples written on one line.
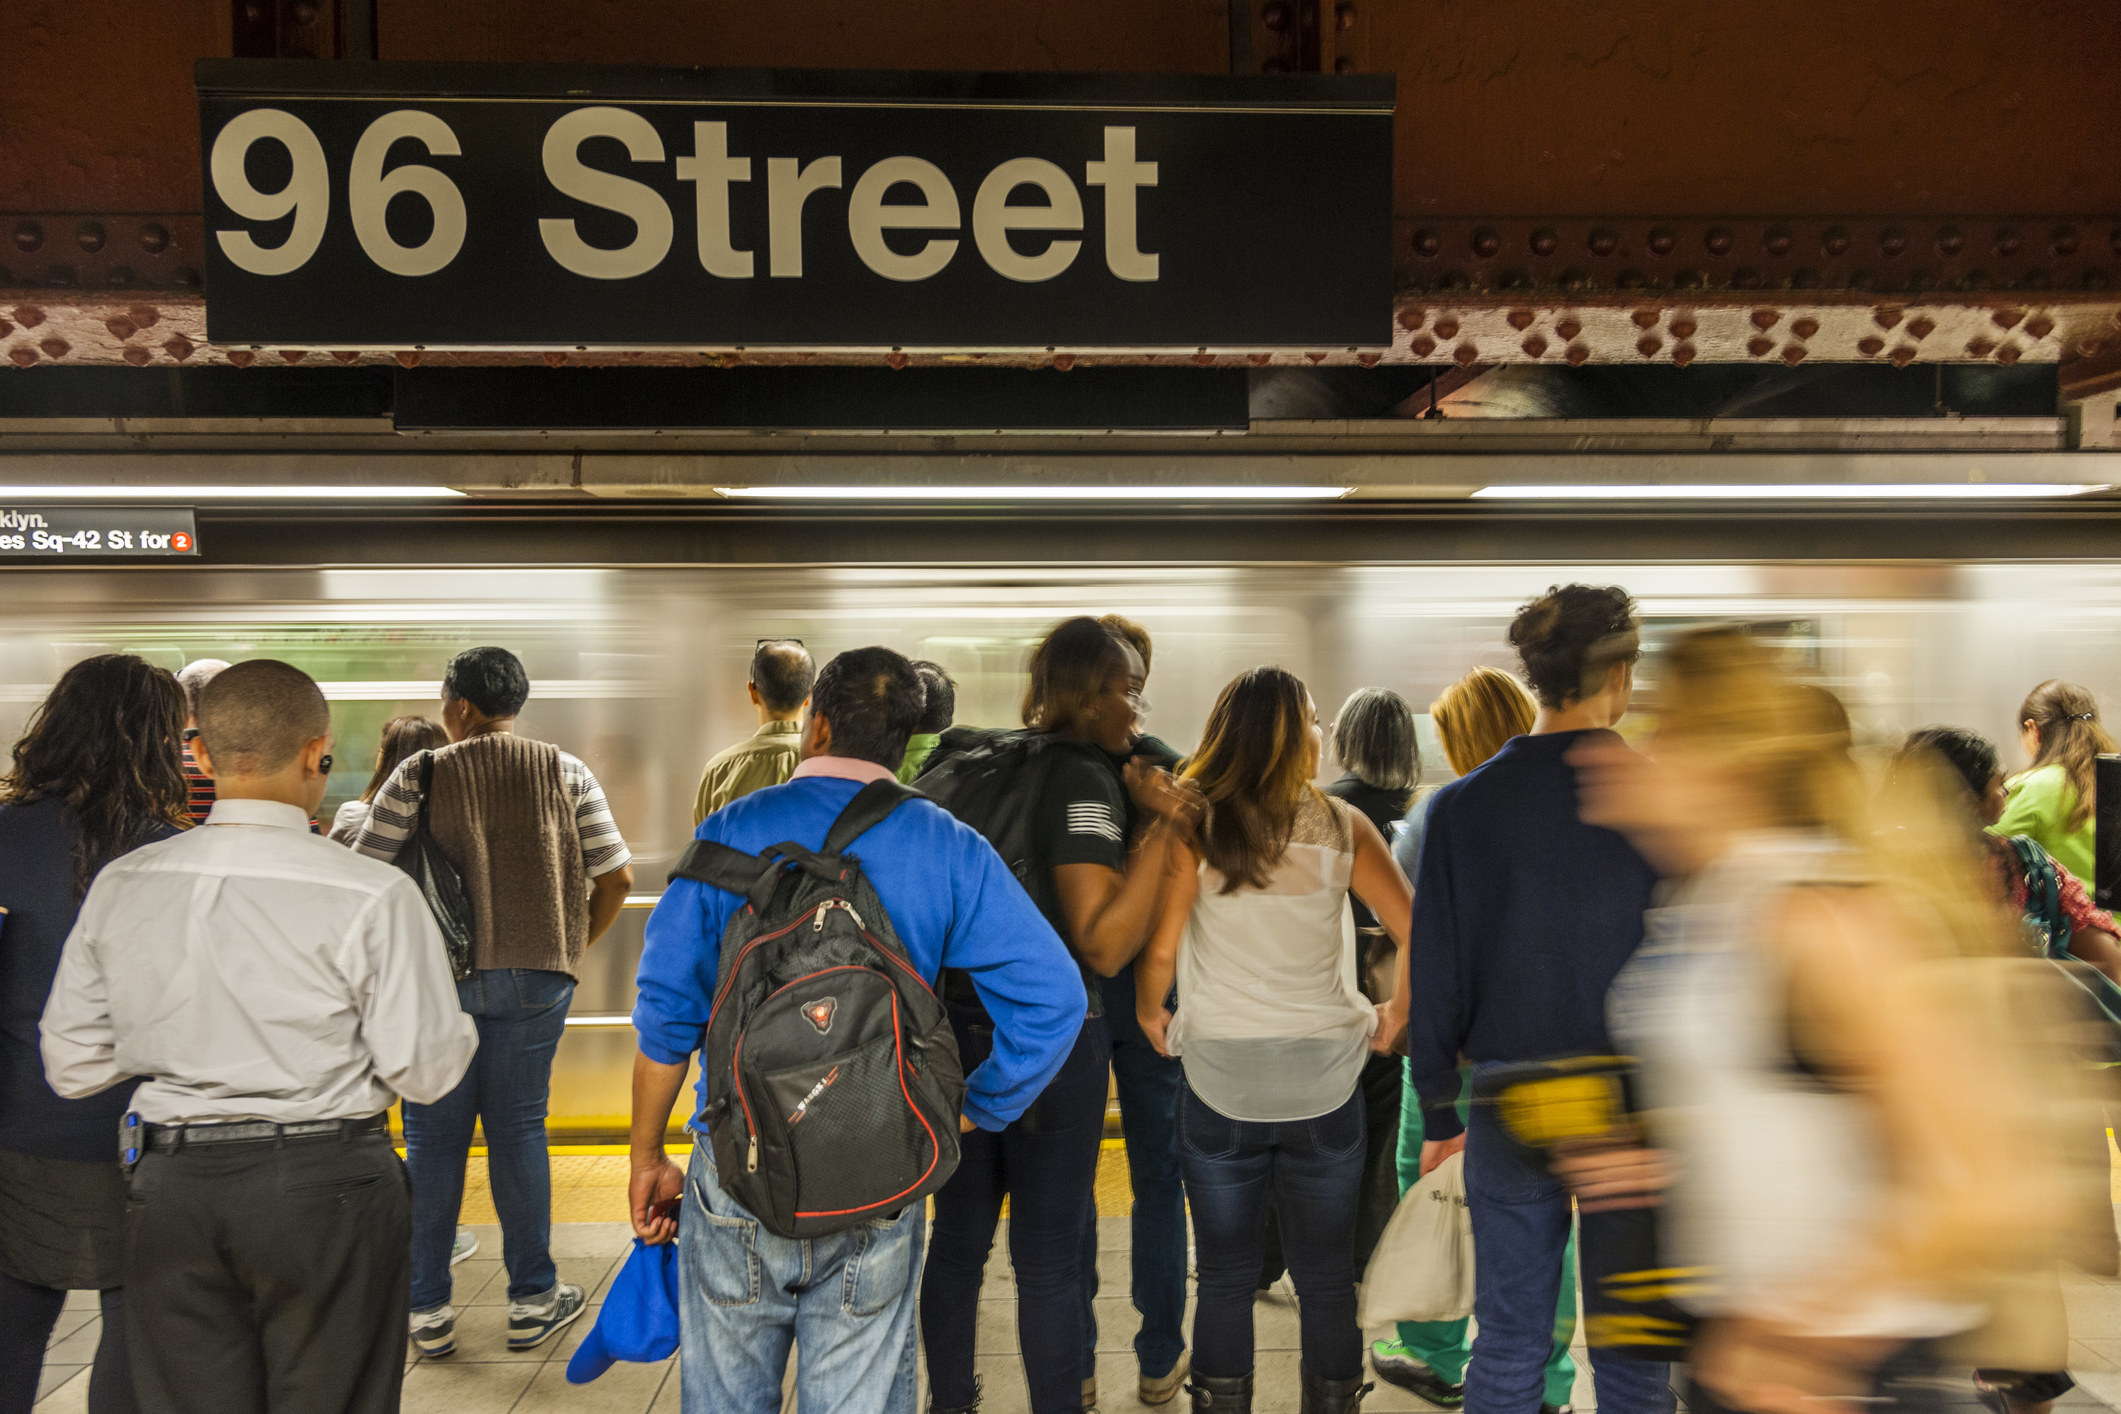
[(99, 773), (1085, 691)]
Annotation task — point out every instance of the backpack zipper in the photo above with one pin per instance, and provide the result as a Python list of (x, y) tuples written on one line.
[(817, 924)]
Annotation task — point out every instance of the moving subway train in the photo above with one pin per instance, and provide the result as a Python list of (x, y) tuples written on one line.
[(641, 671)]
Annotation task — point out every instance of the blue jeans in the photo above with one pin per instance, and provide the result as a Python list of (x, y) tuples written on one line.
[(520, 1014), (1312, 1169), (846, 1302), (1521, 1223), (1148, 1114)]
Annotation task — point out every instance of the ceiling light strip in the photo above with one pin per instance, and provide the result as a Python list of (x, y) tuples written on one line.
[(1838, 491), (228, 493), (1034, 493)]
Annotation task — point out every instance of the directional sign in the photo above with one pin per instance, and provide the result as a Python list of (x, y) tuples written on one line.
[(55, 532)]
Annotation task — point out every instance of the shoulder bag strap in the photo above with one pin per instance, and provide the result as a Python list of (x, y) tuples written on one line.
[(869, 807)]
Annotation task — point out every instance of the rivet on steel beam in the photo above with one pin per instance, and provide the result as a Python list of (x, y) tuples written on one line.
[(1631, 280), (154, 237), (1421, 346), (2007, 318), (184, 277), (29, 237), (29, 316), (120, 327), (1683, 327), (1427, 242), (1745, 278), (1759, 346), (1645, 318), (1568, 329), (1921, 327), (1313, 357), (1886, 316), (2008, 354), (1690, 279), (1663, 241), (1683, 354), (55, 347), (1766, 318), (1275, 17), (1980, 348), (62, 275), (136, 356), (1259, 360), (1544, 241), (1870, 346), (1447, 327), (1521, 319), (1950, 242), (1648, 345), (1804, 328), (1577, 355), (1369, 360), (1575, 278), (1534, 346), (2064, 240), (1776, 242), (89, 236), (1834, 242), (1892, 240), (1717, 241), (177, 347), (1803, 279), (1344, 17), (1793, 354), (2007, 241), (118, 276), (2039, 326), (23, 356), (242, 358), (1465, 354), (1412, 317), (1903, 355), (294, 355), (1603, 242), (1486, 243)]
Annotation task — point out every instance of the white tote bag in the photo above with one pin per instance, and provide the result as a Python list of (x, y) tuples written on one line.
[(1422, 1269)]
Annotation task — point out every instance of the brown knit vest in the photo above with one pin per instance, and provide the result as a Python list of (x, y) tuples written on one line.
[(501, 813)]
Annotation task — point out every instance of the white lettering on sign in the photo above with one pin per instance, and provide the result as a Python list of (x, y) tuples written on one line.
[(787, 188), (369, 191), (713, 169), (1120, 175), (993, 219), (307, 193), (22, 520), (868, 217), (634, 200)]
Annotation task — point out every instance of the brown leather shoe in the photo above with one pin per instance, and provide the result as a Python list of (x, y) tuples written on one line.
[(1161, 1389)]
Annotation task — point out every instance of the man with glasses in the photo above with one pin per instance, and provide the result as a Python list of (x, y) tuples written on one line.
[(781, 674)]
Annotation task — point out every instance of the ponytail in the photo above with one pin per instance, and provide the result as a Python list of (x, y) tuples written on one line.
[(2070, 737)]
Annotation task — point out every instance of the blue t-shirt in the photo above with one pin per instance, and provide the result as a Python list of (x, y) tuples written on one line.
[(37, 890), (1523, 915), (952, 901)]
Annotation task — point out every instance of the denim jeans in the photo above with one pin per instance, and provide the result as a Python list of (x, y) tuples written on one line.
[(1521, 1222), (1148, 1115), (1045, 1164), (744, 1295), (1312, 1169), (520, 1014)]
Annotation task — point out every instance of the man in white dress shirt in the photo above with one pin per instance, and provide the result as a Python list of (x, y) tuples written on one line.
[(278, 992)]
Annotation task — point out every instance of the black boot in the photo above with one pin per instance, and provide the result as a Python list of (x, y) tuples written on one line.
[(972, 1408), (1333, 1396), (1213, 1395)]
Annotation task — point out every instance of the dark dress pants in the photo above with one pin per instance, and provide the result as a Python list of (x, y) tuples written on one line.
[(264, 1276)]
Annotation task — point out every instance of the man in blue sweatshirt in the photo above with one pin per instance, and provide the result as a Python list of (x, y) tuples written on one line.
[(1523, 914), (745, 1293)]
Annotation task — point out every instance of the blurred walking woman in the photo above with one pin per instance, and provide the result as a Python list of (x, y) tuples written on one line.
[(2053, 800), (1273, 1033), (401, 737), (99, 773)]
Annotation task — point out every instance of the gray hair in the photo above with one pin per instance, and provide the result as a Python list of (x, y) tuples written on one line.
[(1374, 738), (193, 678)]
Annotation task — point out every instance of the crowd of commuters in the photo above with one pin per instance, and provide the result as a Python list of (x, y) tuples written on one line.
[(1305, 998)]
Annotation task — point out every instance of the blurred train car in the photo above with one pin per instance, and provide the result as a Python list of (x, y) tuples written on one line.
[(641, 671)]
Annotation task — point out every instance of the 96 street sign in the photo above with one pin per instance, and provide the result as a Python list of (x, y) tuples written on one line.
[(51, 532), (468, 206)]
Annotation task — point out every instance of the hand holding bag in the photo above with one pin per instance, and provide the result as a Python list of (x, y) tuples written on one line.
[(437, 878), (1422, 1269)]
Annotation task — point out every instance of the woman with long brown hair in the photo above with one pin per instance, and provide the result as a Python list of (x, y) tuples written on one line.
[(1273, 1032), (401, 737), (2053, 799), (98, 773)]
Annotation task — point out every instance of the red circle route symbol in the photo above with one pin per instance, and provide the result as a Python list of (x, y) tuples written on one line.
[(181, 543)]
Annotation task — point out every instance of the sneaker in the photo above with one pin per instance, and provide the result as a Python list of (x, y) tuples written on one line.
[(1397, 1365), (434, 1332), (1160, 1389), (1557, 1409), (1090, 1392), (531, 1322), (467, 1243)]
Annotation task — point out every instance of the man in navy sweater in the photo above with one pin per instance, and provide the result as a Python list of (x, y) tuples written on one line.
[(1523, 914), (745, 1293)]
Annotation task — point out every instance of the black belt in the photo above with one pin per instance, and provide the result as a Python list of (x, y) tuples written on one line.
[(168, 1138)]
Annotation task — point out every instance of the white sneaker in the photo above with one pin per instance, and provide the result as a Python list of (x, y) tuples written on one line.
[(531, 1322), (467, 1242), (435, 1332)]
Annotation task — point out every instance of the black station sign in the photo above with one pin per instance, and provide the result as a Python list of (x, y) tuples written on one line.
[(400, 206), (56, 532)]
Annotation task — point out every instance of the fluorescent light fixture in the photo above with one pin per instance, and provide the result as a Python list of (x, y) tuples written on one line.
[(226, 493), (1786, 491), (1031, 491)]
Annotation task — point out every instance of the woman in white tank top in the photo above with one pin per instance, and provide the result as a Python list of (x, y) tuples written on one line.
[(1273, 1030)]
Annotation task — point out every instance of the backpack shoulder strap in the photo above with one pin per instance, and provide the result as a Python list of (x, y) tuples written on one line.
[(715, 864), (869, 807)]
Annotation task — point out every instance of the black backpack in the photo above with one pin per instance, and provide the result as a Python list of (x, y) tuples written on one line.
[(836, 1081)]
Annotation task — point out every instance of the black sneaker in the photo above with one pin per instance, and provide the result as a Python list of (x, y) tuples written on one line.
[(531, 1322), (1395, 1365), (1557, 1409)]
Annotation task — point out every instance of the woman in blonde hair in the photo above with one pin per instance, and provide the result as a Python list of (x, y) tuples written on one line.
[(2052, 801), (1474, 717), (1807, 1054), (1273, 1033)]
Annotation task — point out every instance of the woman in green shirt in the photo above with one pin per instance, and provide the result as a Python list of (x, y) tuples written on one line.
[(2053, 800)]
